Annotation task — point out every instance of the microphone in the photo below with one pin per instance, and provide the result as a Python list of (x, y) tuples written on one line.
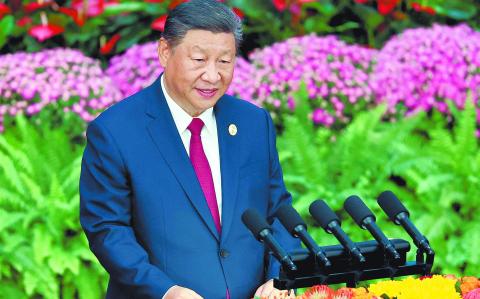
[(263, 232), (330, 222), (397, 212), (366, 220), (294, 224)]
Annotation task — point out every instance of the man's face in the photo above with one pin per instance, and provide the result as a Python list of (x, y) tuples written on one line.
[(199, 70)]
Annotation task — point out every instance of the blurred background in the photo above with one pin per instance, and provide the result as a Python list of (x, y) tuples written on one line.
[(366, 95)]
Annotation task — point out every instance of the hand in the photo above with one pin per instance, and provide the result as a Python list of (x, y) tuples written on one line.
[(267, 290), (178, 292)]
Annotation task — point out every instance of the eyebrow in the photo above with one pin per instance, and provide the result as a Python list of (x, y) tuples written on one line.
[(203, 50)]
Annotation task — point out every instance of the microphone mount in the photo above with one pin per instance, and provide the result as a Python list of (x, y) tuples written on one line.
[(344, 269)]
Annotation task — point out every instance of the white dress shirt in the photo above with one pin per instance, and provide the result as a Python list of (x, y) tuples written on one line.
[(209, 139)]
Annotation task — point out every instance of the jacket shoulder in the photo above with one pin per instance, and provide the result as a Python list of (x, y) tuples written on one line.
[(242, 106)]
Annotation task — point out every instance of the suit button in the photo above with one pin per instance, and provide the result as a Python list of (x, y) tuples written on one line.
[(224, 253)]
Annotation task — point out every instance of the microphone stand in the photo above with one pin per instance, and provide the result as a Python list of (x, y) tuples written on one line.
[(345, 269)]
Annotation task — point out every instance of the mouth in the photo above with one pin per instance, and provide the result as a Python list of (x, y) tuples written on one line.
[(207, 93)]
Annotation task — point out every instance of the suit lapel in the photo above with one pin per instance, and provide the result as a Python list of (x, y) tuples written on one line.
[(228, 148), (165, 135)]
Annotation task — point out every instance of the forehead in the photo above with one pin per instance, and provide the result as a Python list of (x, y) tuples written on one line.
[(204, 40)]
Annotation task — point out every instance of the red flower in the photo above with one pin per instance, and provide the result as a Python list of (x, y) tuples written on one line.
[(238, 12), (386, 6), (361, 1), (175, 3), (112, 2), (4, 9), (43, 32), (429, 10), (319, 291), (79, 19), (280, 5), (305, 1), (23, 21), (153, 1), (425, 277), (110, 44), (90, 8), (416, 6), (159, 23), (31, 7), (344, 293)]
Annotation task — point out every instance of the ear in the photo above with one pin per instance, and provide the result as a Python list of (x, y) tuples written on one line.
[(164, 51)]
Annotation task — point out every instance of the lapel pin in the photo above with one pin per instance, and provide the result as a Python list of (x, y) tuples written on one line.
[(232, 129)]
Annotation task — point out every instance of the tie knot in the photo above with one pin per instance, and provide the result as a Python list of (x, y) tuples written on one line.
[(195, 126)]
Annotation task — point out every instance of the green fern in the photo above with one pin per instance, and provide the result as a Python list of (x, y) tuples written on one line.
[(432, 168), (43, 251)]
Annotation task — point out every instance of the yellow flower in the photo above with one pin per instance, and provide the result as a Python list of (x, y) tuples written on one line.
[(437, 287)]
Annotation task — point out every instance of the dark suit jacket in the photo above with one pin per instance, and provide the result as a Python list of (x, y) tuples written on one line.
[(145, 215)]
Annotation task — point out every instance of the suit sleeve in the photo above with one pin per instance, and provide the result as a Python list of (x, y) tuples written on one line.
[(278, 196), (105, 215)]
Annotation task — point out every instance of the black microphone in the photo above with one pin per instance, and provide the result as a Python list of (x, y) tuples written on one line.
[(366, 220), (330, 222), (294, 223), (263, 232), (397, 212)]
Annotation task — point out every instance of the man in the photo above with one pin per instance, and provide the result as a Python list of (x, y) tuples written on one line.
[(167, 173)]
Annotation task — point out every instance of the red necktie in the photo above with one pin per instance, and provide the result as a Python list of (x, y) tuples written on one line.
[(202, 169)]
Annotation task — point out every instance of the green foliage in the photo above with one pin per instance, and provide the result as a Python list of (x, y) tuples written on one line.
[(449, 187), (43, 251), (431, 168)]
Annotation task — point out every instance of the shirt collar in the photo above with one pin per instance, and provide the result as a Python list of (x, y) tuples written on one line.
[(181, 118)]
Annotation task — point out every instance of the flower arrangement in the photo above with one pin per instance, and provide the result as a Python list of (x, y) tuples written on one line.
[(63, 78), (436, 286), (423, 68), (137, 68), (336, 75), (341, 79)]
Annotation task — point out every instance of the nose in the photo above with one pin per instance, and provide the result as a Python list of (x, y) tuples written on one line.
[(211, 73)]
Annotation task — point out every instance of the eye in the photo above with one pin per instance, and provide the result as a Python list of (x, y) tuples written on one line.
[(198, 59), (224, 61)]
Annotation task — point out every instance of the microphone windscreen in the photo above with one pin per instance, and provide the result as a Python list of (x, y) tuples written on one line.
[(357, 209), (322, 213), (391, 205), (289, 218), (254, 222)]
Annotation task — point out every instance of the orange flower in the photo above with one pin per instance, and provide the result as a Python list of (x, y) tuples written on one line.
[(469, 283), (319, 292), (343, 293)]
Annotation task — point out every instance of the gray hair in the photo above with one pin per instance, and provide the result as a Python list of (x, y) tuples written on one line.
[(209, 15)]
